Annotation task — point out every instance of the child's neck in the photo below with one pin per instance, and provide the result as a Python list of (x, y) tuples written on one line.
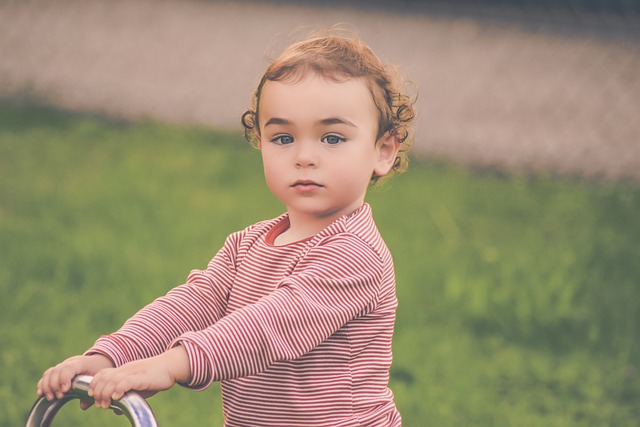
[(298, 231), (302, 227)]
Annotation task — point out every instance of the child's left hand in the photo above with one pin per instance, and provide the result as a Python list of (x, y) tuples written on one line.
[(147, 376)]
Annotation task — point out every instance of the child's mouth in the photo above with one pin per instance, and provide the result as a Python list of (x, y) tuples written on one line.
[(306, 186)]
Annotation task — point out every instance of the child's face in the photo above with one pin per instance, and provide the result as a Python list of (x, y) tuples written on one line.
[(318, 144)]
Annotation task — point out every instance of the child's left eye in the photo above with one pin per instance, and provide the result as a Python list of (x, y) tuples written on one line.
[(332, 139)]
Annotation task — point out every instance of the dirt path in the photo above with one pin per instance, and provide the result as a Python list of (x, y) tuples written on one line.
[(489, 95)]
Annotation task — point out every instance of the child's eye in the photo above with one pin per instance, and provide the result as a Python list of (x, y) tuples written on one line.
[(283, 139), (333, 139)]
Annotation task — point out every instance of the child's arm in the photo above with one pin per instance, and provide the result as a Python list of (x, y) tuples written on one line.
[(332, 285), (193, 306), (172, 316), (148, 375)]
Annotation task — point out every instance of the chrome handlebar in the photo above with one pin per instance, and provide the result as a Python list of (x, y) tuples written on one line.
[(134, 406)]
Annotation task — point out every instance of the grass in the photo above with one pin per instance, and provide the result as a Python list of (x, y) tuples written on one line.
[(519, 295)]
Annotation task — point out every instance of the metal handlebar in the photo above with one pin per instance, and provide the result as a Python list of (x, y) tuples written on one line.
[(134, 406)]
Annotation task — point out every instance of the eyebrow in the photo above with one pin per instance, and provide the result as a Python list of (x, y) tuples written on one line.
[(336, 121), (277, 121), (324, 122)]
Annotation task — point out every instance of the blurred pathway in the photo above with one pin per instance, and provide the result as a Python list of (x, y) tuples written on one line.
[(490, 95)]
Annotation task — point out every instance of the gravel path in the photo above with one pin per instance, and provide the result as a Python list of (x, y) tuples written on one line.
[(491, 95)]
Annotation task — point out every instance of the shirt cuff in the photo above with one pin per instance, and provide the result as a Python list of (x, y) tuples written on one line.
[(111, 347), (201, 375)]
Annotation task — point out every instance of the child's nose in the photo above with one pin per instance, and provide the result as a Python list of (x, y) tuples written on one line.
[(306, 156)]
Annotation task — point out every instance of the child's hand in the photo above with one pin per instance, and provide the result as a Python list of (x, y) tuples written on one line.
[(56, 381), (147, 376)]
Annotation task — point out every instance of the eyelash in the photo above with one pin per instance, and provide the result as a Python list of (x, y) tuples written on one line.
[(340, 139), (279, 139)]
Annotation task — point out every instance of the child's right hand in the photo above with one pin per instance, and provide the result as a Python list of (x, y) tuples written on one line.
[(56, 381)]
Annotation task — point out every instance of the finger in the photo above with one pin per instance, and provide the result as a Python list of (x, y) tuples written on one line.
[(56, 381), (67, 373), (43, 385), (105, 394), (121, 385), (95, 388), (54, 386), (39, 386), (105, 384), (65, 378)]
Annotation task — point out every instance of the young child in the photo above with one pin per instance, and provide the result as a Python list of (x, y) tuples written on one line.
[(294, 315)]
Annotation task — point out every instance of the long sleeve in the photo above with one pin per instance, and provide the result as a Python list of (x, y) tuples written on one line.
[(333, 283), (193, 306)]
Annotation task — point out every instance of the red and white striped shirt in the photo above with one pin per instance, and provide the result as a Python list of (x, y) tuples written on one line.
[(298, 335)]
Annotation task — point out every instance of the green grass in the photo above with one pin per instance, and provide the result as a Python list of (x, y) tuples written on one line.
[(519, 295)]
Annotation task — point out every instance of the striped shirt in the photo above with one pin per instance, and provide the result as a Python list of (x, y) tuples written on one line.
[(298, 335)]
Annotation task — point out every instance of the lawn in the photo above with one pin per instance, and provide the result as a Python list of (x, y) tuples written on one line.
[(519, 295)]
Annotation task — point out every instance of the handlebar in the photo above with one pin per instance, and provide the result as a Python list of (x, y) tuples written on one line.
[(134, 406)]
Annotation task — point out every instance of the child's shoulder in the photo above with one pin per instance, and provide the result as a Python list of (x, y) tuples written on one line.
[(358, 228)]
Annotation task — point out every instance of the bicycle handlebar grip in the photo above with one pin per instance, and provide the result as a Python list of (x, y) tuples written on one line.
[(134, 406)]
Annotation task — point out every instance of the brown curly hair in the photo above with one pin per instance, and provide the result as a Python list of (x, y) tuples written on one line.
[(339, 57)]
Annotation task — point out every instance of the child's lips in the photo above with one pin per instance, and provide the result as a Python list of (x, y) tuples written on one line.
[(306, 186)]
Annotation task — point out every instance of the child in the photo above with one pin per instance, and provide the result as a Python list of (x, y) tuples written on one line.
[(294, 315)]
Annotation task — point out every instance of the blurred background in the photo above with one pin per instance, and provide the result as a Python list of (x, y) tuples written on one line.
[(515, 232), (538, 85)]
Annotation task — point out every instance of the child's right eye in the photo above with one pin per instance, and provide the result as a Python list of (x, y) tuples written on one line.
[(283, 139)]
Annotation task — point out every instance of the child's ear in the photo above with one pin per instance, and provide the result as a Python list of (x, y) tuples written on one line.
[(387, 149)]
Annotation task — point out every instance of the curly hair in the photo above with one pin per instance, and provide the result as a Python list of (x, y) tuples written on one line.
[(337, 58)]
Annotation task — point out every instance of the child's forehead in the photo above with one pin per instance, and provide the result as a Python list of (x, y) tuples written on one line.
[(316, 88), (315, 99)]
